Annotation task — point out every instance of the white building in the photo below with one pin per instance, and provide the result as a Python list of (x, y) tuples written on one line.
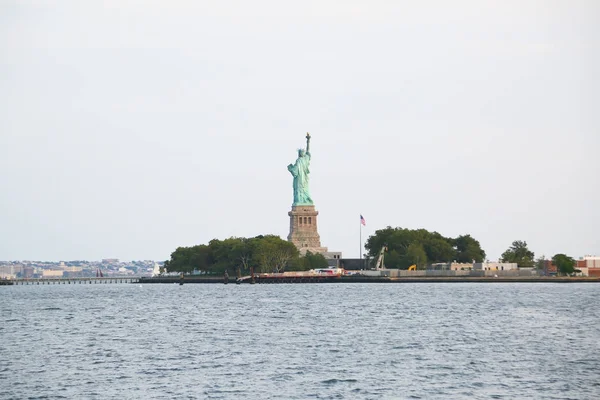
[(590, 261), (7, 272), (495, 266), (455, 266), (589, 265)]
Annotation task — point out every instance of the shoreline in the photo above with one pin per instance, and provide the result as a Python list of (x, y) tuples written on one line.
[(364, 279)]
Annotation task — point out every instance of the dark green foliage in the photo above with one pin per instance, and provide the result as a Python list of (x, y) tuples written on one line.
[(564, 263), (392, 257), (520, 254), (540, 262), (235, 255), (273, 253), (419, 246), (188, 259), (468, 249), (415, 254), (309, 261), (315, 261), (270, 253), (438, 249)]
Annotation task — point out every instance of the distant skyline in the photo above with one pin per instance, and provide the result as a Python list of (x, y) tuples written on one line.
[(130, 128)]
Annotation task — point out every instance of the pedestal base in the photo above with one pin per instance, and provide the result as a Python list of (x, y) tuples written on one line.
[(303, 229)]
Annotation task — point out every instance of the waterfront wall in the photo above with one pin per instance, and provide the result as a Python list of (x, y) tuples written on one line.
[(395, 273)]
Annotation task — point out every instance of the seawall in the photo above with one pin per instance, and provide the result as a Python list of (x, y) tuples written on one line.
[(367, 279)]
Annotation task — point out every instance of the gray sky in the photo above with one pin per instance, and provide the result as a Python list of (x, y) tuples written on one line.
[(129, 128)]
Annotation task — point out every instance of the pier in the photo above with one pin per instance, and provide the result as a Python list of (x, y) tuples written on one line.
[(74, 281)]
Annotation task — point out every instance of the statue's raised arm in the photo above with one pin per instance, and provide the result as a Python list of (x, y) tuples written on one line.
[(308, 143)]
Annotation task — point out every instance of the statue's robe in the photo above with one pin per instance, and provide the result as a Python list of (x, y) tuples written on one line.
[(300, 171)]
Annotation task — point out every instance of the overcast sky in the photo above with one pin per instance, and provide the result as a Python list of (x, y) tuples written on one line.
[(129, 128)]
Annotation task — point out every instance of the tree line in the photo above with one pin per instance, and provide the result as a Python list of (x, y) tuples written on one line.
[(263, 253), (405, 247), (520, 254)]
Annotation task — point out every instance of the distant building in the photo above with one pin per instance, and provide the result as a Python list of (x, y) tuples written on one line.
[(11, 271), (589, 265), (440, 266), (460, 266), (52, 273), (351, 263), (8, 272), (495, 266), (333, 258), (549, 268), (482, 266), (28, 272)]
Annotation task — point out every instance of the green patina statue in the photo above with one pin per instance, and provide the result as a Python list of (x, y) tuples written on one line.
[(300, 171)]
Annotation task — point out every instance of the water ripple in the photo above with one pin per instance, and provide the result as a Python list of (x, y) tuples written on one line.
[(363, 341)]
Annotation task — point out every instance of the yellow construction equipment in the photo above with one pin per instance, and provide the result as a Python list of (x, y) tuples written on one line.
[(413, 267)]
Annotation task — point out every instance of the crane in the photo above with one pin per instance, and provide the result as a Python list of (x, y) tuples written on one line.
[(380, 265)]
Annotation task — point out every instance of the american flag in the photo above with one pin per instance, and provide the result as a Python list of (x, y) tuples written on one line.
[(362, 220)]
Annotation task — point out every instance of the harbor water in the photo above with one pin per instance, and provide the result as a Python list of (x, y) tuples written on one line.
[(319, 341)]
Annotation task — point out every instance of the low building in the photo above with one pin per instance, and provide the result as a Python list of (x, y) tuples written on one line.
[(495, 266), (589, 265), (460, 266), (549, 268), (333, 258), (28, 272), (439, 266), (7, 272), (52, 273), (352, 264), (11, 271)]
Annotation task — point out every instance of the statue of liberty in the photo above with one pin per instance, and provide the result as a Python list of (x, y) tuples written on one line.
[(300, 171)]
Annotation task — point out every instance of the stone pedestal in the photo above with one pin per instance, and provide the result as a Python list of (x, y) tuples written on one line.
[(303, 229)]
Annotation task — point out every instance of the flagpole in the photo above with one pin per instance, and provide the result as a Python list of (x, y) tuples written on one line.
[(360, 240)]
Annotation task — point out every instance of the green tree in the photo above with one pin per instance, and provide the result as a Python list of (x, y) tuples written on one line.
[(308, 262), (436, 247), (224, 253), (392, 259), (540, 262), (268, 252), (188, 259), (384, 237), (468, 249), (273, 253), (564, 264), (416, 255), (233, 253), (245, 252), (520, 254), (395, 239)]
